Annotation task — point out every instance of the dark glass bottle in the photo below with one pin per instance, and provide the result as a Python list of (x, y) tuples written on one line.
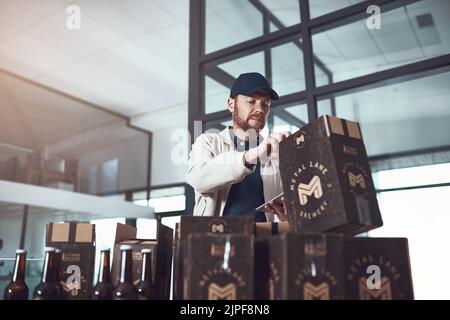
[(17, 288), (47, 289), (103, 289), (145, 287), (125, 290)]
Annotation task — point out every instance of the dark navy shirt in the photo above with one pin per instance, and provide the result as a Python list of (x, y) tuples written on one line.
[(247, 195)]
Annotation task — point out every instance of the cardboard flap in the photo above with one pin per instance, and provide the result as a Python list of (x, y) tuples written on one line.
[(70, 232), (124, 232)]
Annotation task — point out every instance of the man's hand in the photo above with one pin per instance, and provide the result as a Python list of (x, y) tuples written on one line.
[(267, 150), (278, 208)]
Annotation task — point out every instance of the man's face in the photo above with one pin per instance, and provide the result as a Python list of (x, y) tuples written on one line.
[(250, 112)]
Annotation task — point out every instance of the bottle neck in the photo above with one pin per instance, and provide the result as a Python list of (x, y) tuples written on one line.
[(125, 268), (19, 267), (146, 274), (49, 266), (103, 273)]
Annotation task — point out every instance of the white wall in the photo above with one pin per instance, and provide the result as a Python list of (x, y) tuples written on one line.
[(170, 143), (132, 156), (169, 155)]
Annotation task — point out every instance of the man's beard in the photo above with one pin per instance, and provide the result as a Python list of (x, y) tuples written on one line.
[(244, 123)]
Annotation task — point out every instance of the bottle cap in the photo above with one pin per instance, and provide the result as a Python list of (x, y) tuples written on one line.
[(126, 247)]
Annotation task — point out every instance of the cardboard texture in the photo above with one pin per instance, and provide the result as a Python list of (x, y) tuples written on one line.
[(191, 224), (326, 179), (161, 256), (77, 243), (307, 266), (218, 267)]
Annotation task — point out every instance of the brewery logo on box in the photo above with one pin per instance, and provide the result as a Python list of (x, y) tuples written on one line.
[(216, 292), (222, 284), (357, 178), (319, 292), (311, 183), (377, 285), (217, 225), (315, 285), (300, 139), (383, 293)]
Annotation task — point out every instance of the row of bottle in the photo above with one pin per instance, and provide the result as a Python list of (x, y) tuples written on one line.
[(50, 286)]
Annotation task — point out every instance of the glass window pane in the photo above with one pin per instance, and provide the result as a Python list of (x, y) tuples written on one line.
[(415, 176), (287, 74), (422, 216), (353, 50), (321, 7), (64, 143), (407, 116), (233, 21), (216, 96)]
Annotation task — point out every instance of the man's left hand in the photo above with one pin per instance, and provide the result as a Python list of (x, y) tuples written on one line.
[(278, 208)]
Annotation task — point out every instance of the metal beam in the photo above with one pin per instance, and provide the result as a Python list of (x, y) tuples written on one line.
[(252, 46), (308, 62), (221, 76), (289, 118), (395, 75), (263, 9), (352, 13), (196, 101)]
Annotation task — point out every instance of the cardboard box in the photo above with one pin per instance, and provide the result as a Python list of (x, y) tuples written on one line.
[(77, 243), (387, 259), (161, 256), (326, 178), (306, 266), (300, 266), (195, 224), (218, 267), (267, 229), (176, 262)]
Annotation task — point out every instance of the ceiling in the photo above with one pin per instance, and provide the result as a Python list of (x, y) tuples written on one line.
[(128, 56), (132, 56)]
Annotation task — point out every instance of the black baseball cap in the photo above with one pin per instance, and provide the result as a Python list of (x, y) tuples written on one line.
[(248, 83)]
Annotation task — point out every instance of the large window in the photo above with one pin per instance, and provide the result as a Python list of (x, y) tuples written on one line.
[(414, 206), (323, 58)]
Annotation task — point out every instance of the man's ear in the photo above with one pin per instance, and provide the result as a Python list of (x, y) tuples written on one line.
[(230, 103)]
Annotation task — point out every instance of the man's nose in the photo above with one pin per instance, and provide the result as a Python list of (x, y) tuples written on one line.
[(259, 107)]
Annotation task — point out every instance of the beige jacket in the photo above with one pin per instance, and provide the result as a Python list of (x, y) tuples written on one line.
[(215, 165)]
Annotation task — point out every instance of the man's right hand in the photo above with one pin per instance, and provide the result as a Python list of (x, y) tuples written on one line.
[(267, 150)]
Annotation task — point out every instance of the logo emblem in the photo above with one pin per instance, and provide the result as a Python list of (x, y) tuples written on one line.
[(312, 292), (384, 293), (357, 179), (217, 228), (216, 292), (300, 139), (314, 187)]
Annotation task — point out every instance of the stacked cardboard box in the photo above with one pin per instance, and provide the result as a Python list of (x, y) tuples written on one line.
[(330, 197), (161, 256), (326, 177), (77, 243), (325, 266), (218, 267), (202, 225)]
